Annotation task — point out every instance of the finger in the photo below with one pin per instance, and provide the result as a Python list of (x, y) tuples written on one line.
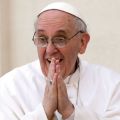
[(54, 82), (62, 91), (46, 88), (55, 78), (65, 107), (50, 98), (57, 61), (51, 70), (48, 82), (58, 69)]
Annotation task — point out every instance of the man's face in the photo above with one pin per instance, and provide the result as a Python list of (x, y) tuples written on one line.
[(52, 24)]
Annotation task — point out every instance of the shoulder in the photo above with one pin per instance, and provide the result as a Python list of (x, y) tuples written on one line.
[(22, 82), (24, 72), (99, 73)]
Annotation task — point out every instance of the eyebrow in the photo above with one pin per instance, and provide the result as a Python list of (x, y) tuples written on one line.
[(39, 30), (62, 32)]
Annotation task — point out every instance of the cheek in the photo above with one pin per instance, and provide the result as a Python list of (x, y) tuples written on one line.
[(70, 58), (71, 54), (41, 53)]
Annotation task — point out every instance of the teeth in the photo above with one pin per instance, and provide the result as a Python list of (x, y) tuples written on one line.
[(50, 59)]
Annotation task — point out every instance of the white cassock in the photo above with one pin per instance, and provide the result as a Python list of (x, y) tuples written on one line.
[(93, 90)]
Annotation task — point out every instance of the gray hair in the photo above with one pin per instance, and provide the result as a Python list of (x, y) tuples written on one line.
[(80, 24)]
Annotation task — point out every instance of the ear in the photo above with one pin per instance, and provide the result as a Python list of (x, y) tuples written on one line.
[(84, 41)]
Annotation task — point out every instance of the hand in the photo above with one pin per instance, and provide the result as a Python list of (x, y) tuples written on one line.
[(65, 107), (55, 96), (50, 95)]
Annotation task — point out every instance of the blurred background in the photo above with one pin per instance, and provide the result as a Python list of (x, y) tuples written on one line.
[(17, 27)]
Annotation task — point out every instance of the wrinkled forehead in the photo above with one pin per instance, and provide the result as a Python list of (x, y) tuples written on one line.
[(55, 19)]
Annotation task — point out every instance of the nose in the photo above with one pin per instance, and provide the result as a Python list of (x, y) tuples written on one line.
[(51, 48)]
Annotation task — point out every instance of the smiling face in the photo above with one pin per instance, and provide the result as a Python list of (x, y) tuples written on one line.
[(54, 23)]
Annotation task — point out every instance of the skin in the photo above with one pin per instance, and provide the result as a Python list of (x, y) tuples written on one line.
[(58, 63)]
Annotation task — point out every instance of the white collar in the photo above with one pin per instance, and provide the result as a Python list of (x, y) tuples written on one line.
[(74, 78)]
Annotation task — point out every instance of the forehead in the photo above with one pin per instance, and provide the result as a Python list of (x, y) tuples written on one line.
[(55, 19)]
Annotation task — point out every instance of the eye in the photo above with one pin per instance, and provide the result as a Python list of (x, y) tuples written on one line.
[(42, 39), (59, 39)]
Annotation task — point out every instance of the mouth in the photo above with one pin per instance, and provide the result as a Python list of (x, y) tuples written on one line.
[(50, 59)]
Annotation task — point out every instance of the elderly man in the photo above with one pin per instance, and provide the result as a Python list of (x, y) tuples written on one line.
[(60, 86)]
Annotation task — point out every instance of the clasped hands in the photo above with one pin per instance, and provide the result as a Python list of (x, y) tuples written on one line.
[(55, 96)]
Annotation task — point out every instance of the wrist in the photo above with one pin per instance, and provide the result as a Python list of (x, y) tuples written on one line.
[(48, 112), (68, 112)]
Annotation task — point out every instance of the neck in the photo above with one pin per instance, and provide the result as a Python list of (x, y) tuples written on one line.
[(76, 66)]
